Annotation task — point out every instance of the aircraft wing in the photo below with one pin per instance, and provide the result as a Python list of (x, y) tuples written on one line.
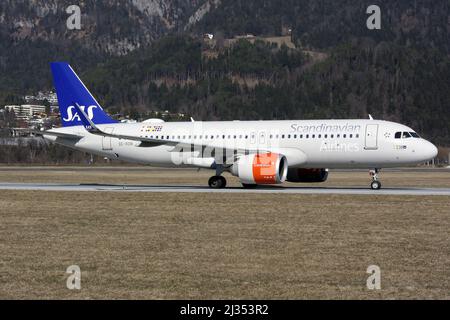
[(93, 129), (53, 133)]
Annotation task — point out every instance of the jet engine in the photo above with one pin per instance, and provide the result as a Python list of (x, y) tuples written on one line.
[(264, 168), (307, 175)]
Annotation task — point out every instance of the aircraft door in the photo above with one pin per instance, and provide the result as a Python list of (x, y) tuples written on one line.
[(371, 140)]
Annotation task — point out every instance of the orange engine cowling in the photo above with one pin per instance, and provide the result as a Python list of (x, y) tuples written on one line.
[(307, 175), (264, 168)]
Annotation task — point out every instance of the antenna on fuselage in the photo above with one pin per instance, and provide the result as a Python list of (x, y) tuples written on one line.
[(192, 119), (370, 117)]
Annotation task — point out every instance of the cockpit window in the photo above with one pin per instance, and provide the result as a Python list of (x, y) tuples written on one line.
[(406, 135)]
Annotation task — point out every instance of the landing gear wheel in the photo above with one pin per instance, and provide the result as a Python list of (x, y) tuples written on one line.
[(217, 182), (249, 186), (375, 185)]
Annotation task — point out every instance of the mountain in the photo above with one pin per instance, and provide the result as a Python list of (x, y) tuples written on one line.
[(260, 81), (110, 26), (34, 32), (142, 55), (328, 23)]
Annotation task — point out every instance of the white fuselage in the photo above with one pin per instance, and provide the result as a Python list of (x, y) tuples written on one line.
[(305, 143)]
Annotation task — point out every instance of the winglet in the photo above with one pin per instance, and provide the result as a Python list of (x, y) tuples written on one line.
[(87, 123)]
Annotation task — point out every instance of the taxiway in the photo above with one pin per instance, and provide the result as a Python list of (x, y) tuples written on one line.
[(201, 189)]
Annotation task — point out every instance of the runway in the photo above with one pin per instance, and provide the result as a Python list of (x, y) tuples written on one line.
[(201, 189)]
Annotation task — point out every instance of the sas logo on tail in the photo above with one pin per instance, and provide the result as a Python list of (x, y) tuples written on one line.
[(72, 115)]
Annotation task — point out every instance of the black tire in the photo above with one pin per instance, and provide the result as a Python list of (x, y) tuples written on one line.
[(375, 185), (224, 182), (249, 186), (217, 182)]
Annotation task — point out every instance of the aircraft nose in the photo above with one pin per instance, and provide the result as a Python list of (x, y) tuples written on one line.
[(429, 151)]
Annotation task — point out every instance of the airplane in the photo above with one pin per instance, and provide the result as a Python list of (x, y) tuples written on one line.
[(257, 152)]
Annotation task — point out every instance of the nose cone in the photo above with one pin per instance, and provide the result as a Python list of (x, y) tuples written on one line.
[(428, 151)]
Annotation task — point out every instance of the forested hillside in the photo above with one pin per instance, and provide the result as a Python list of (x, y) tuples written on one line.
[(33, 33), (262, 82), (400, 73), (329, 23)]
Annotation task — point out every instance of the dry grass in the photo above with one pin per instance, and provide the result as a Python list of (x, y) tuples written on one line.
[(208, 246)]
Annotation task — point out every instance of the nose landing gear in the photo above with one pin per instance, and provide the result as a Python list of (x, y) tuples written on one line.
[(375, 184)]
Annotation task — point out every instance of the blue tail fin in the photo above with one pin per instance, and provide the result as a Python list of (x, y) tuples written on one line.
[(71, 91)]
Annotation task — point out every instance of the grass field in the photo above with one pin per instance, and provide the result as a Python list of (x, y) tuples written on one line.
[(209, 246)]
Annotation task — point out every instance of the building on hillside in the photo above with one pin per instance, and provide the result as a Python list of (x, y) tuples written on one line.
[(43, 96), (26, 111), (208, 36)]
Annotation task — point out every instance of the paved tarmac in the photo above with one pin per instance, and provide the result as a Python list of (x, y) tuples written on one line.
[(199, 189)]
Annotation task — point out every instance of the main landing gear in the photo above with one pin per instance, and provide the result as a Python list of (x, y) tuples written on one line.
[(375, 184), (217, 182)]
